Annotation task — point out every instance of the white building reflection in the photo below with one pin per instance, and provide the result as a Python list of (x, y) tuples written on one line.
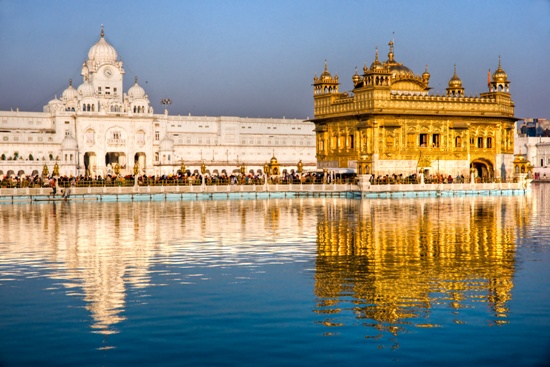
[(98, 251)]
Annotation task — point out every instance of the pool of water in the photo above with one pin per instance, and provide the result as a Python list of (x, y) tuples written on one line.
[(295, 282)]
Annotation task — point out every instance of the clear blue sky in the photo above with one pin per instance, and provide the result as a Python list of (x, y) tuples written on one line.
[(257, 58)]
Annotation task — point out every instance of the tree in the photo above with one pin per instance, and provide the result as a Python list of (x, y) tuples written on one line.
[(31, 158), (3, 156)]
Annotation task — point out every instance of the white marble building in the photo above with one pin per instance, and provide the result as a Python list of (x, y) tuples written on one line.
[(97, 125)]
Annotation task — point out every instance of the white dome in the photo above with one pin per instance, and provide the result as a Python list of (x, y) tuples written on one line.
[(166, 144), (69, 143), (136, 91), (102, 52), (55, 102), (70, 93), (86, 89)]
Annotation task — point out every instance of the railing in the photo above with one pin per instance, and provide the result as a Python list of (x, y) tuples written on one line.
[(227, 181)]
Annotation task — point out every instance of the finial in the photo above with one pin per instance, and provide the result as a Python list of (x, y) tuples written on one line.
[(70, 82), (455, 70), (326, 65), (390, 54), (102, 31), (135, 79), (426, 70), (376, 56), (499, 61)]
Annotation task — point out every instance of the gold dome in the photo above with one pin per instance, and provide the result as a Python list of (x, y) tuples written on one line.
[(396, 68), (355, 78), (455, 81), (326, 75), (273, 160), (426, 76), (376, 64), (500, 76)]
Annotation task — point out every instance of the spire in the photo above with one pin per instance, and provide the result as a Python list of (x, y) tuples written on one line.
[(102, 31), (135, 79), (390, 54)]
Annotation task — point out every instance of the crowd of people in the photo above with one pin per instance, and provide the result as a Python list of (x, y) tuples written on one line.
[(188, 178)]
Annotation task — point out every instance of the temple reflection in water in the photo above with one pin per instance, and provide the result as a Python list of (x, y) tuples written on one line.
[(391, 262), (387, 263)]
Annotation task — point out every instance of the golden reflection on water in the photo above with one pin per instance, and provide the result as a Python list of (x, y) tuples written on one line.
[(395, 262), (389, 263)]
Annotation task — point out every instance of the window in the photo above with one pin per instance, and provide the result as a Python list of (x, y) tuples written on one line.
[(480, 142), (423, 140), (458, 142), (157, 136), (435, 140), (351, 141), (489, 142)]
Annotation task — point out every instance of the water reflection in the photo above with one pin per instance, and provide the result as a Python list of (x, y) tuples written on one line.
[(397, 264), (389, 264), (98, 251)]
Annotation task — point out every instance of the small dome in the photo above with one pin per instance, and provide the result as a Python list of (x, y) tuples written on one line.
[(55, 102), (70, 92), (274, 160), (455, 81), (69, 143), (326, 75), (356, 78), (136, 91), (376, 64), (166, 144), (102, 52), (86, 89), (426, 75), (500, 76)]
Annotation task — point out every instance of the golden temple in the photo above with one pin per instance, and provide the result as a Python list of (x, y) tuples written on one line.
[(391, 124)]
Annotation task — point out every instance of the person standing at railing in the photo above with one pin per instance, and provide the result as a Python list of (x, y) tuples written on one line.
[(53, 186)]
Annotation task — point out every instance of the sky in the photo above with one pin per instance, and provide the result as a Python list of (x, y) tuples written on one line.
[(257, 58)]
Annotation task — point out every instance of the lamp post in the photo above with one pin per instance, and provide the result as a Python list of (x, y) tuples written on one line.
[(266, 172), (56, 170), (166, 102)]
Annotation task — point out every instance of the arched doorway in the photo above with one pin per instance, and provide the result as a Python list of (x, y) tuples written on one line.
[(112, 158), (483, 169), (139, 158)]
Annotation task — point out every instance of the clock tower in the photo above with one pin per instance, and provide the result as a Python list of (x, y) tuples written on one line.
[(104, 71)]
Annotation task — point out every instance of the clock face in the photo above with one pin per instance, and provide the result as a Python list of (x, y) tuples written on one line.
[(108, 73)]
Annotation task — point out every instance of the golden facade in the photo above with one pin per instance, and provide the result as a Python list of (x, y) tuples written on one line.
[(390, 123)]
